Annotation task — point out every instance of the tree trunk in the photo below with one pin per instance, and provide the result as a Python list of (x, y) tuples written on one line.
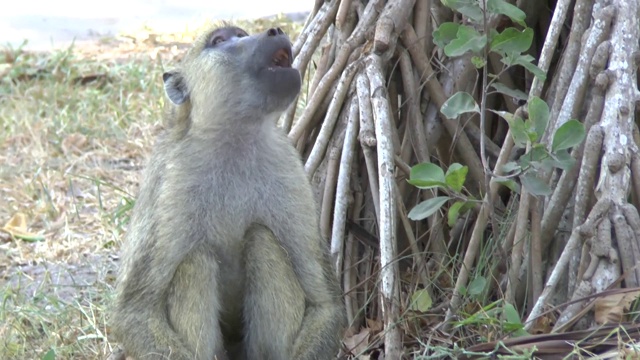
[(375, 75)]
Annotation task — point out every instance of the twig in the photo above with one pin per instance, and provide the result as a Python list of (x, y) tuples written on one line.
[(537, 273)]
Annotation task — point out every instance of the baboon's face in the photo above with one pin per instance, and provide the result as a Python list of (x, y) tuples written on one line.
[(228, 66)]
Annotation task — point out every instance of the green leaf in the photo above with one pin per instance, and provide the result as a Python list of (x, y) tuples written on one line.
[(504, 8), (563, 160), (468, 8), (538, 114), (538, 158), (459, 103), (568, 135), (538, 152), (455, 176), (458, 208), (30, 238), (478, 62), (50, 355), (476, 287), (511, 314), (445, 33), (512, 40), (427, 208), (504, 89), (467, 39), (503, 114), (421, 301), (427, 176), (531, 133), (509, 183), (513, 322), (526, 61), (534, 185), (473, 12), (518, 132), (511, 166)]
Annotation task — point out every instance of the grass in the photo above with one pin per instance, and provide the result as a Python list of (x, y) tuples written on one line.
[(77, 125)]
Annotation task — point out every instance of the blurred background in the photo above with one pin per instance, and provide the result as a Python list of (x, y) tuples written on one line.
[(54, 24)]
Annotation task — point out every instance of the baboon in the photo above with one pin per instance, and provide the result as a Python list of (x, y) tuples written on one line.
[(223, 258)]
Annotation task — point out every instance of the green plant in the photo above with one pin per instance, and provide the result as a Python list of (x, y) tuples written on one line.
[(510, 44)]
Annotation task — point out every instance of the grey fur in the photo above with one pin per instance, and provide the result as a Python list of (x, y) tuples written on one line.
[(223, 257)]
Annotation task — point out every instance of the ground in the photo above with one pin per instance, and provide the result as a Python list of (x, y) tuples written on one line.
[(77, 127)]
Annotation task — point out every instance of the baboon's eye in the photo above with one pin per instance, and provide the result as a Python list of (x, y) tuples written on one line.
[(217, 40), (241, 34)]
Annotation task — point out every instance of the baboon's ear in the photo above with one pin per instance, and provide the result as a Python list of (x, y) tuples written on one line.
[(175, 86)]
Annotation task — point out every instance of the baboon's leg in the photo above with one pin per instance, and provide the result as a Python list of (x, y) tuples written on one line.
[(274, 301), (193, 304)]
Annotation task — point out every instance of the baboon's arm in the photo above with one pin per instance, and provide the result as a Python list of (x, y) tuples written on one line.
[(324, 313), (140, 315)]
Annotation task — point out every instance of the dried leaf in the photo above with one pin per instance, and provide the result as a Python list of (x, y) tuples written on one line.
[(374, 325), (611, 308), (359, 342), (17, 228)]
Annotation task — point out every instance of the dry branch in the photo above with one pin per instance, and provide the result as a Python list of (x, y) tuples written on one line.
[(388, 95)]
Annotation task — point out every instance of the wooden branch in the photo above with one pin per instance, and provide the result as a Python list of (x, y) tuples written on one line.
[(305, 46), (343, 189), (391, 21), (522, 223), (626, 240), (633, 219), (355, 40), (326, 130), (412, 102), (535, 250), (387, 217), (566, 185), (329, 191), (367, 136), (572, 103), (579, 232), (422, 24), (350, 277), (579, 24), (550, 43)]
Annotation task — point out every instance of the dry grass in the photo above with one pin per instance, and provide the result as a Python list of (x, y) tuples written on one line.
[(77, 126)]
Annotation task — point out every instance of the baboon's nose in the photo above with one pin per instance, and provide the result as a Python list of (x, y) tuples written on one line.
[(275, 31)]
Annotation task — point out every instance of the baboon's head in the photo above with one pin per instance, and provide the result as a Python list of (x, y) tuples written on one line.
[(228, 70)]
